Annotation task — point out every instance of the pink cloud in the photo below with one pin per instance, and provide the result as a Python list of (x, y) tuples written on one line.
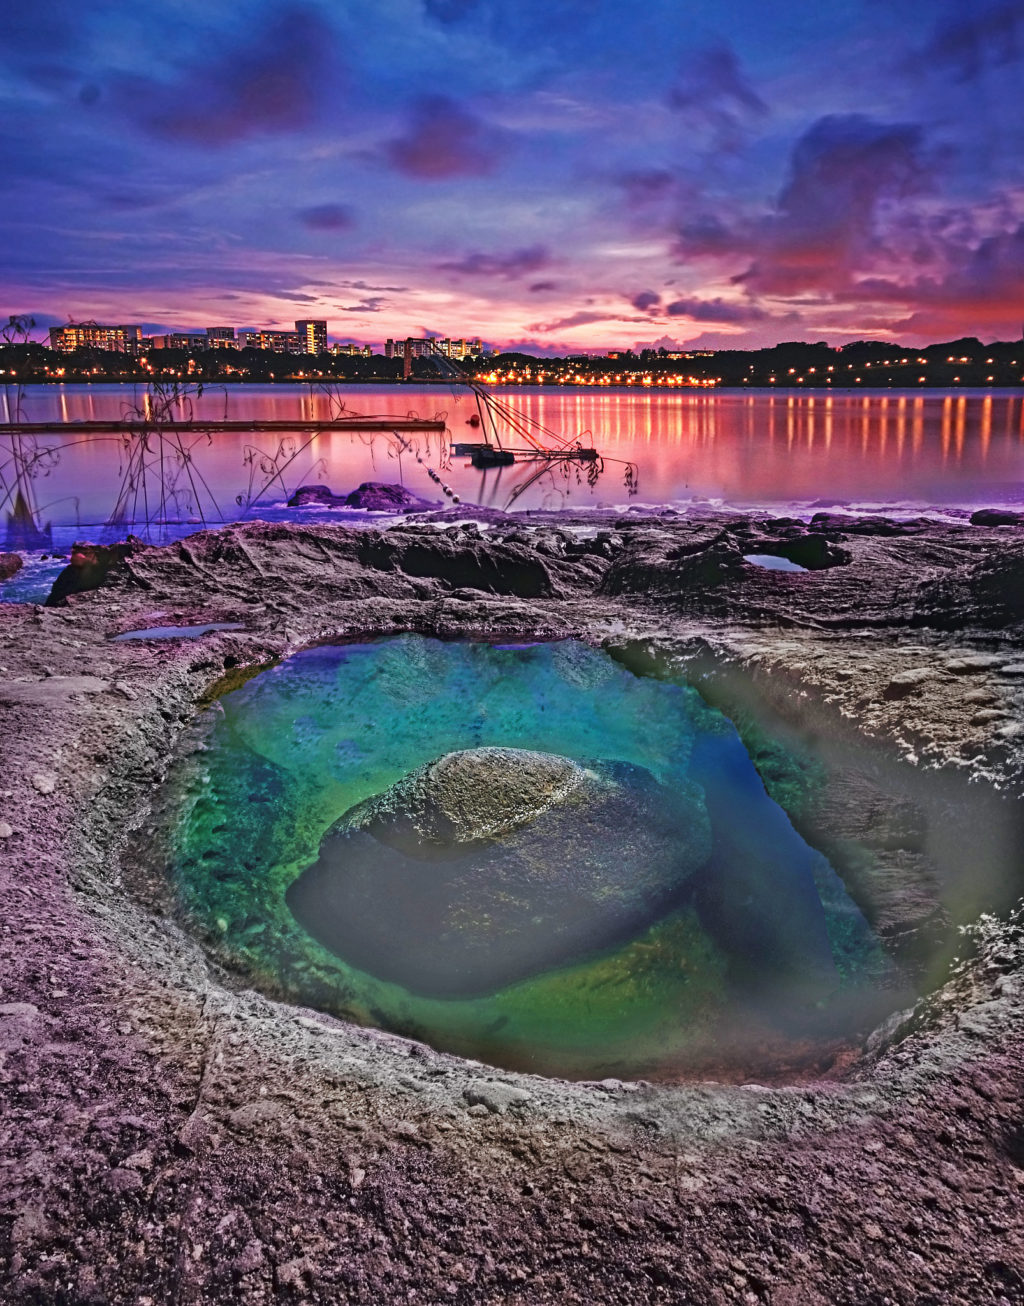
[(442, 140)]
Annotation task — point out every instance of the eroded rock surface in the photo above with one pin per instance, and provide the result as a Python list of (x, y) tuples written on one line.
[(168, 1134)]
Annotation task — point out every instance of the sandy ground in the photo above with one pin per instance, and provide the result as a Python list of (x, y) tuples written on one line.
[(168, 1135)]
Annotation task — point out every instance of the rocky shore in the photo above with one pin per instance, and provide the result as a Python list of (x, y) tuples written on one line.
[(170, 1135)]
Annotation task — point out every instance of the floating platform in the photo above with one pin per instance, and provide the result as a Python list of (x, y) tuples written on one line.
[(127, 426), (488, 455), (484, 455)]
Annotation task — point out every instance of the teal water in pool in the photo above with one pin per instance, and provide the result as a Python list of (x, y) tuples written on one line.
[(652, 913)]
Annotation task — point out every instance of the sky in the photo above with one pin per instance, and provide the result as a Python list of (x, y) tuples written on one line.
[(553, 175)]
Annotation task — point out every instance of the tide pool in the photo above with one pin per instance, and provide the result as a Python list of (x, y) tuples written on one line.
[(755, 948)]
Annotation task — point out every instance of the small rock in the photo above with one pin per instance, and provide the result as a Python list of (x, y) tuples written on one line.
[(123, 688), (5, 830), (194, 1132), (45, 783), (23, 1009), (249, 1258), (972, 663), (497, 1098), (983, 1020), (294, 1273), (122, 1181), (905, 682)]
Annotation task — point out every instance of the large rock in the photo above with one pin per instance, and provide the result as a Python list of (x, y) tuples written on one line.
[(997, 517), (10, 565), (372, 496), (489, 865), (88, 569)]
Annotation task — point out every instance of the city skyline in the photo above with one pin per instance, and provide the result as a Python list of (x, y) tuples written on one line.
[(559, 178)]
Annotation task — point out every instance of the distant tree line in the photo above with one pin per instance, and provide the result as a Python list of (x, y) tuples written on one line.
[(797, 364)]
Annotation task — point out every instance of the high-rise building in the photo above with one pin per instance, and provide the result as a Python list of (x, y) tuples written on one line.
[(433, 344), (313, 335), (277, 342), (81, 335), (353, 351)]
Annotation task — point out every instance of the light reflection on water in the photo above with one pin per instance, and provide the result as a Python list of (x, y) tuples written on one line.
[(945, 448)]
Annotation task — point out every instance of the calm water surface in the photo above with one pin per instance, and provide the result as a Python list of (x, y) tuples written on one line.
[(902, 449)]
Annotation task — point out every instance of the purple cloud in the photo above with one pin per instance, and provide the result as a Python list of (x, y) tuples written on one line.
[(327, 217), (983, 287), (646, 186), (645, 300), (582, 318), (826, 225), (992, 35), (713, 92), (363, 285), (516, 263), (716, 310), (270, 84), (442, 140)]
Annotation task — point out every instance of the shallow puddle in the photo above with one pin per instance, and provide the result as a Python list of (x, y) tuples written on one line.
[(180, 632), (612, 891), (772, 562)]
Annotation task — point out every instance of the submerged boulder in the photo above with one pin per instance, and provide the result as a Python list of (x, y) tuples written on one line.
[(492, 864)]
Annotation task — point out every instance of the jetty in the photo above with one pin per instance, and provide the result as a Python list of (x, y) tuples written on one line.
[(204, 427)]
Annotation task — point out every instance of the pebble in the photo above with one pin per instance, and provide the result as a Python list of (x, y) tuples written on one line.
[(46, 784), (5, 830)]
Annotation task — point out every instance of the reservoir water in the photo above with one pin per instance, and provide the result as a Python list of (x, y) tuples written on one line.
[(896, 450)]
